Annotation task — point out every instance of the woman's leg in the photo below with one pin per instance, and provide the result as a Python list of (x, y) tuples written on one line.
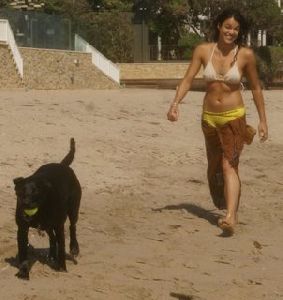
[(232, 188)]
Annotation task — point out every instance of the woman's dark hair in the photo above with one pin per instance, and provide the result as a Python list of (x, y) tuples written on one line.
[(231, 13)]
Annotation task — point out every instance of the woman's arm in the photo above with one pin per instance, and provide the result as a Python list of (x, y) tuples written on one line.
[(185, 83), (251, 73)]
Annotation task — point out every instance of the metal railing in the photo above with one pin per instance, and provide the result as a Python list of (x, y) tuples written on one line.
[(98, 59), (7, 36)]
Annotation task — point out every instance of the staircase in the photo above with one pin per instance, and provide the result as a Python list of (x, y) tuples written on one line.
[(105, 65), (10, 58), (53, 69), (9, 77)]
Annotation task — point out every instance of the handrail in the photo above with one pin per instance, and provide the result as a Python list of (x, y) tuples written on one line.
[(98, 59), (7, 36)]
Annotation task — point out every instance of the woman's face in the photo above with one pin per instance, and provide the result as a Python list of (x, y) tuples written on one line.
[(229, 30)]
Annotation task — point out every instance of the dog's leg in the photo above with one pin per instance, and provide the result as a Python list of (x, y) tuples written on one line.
[(52, 245), (74, 245), (22, 237), (73, 215), (60, 238)]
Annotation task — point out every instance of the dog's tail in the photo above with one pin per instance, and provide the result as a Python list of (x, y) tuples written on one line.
[(68, 159)]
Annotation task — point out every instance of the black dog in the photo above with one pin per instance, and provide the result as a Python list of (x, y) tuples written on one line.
[(44, 200)]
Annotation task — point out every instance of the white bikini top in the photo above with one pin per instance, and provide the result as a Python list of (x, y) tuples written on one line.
[(232, 76)]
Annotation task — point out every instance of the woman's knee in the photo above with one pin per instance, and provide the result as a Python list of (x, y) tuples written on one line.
[(227, 167)]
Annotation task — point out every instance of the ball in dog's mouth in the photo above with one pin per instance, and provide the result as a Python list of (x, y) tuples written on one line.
[(31, 212)]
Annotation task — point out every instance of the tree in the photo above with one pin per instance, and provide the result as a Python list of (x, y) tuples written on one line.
[(103, 23), (119, 5), (3, 3), (260, 14), (165, 18), (169, 18), (70, 8), (173, 19), (109, 32)]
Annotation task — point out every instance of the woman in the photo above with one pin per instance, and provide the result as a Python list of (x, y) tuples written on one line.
[(224, 126)]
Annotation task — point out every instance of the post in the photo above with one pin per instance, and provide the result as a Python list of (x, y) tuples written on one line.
[(159, 48), (143, 10), (142, 41), (264, 38), (249, 39), (259, 38)]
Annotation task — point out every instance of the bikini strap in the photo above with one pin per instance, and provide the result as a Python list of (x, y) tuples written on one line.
[(212, 52), (236, 51)]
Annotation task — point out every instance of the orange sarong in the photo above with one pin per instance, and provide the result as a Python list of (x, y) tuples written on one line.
[(228, 141)]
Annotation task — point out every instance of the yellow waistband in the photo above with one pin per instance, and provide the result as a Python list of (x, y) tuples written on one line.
[(216, 119)]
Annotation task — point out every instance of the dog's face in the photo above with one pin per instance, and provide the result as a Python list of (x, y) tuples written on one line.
[(30, 195)]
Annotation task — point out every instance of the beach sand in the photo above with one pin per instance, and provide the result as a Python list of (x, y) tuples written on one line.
[(147, 226)]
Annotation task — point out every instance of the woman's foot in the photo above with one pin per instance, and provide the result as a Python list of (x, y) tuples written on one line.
[(227, 225)]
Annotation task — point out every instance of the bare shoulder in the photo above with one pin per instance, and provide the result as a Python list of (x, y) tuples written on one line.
[(249, 63), (247, 53), (204, 49), (205, 46)]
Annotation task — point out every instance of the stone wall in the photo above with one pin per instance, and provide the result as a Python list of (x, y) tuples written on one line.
[(134, 71), (9, 76), (61, 69)]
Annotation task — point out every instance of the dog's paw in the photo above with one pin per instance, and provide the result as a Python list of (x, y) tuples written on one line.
[(23, 271), (61, 269), (23, 275), (74, 249), (52, 262)]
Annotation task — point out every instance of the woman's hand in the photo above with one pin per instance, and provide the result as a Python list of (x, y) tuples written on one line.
[(173, 113), (262, 131)]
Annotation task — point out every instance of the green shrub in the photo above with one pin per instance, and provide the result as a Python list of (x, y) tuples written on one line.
[(264, 61), (187, 43), (269, 63), (276, 61), (111, 33)]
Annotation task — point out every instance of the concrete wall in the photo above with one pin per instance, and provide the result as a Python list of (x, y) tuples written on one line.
[(174, 70), (61, 69)]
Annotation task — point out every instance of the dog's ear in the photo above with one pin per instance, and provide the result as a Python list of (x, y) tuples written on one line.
[(18, 180), (19, 184)]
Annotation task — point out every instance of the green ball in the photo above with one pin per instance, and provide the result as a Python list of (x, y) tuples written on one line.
[(31, 212)]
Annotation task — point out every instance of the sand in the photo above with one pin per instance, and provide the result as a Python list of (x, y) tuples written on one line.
[(147, 226)]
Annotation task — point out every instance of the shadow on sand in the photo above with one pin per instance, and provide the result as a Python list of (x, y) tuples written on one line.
[(37, 254), (195, 210), (210, 215)]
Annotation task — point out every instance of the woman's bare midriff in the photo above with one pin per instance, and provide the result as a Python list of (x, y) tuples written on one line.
[(221, 97)]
